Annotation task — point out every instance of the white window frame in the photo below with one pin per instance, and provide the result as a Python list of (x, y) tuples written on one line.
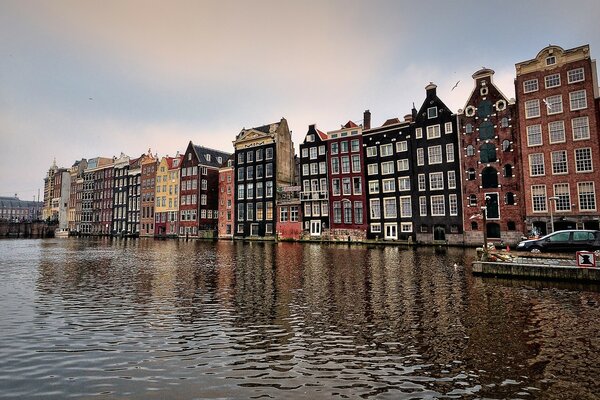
[(386, 150), (532, 108), (554, 104), (576, 75), (575, 129), (436, 181), (578, 160), (432, 112), (434, 131), (540, 171), (434, 158), (530, 134), (582, 100), (418, 133), (552, 81), (556, 132), (530, 85), (372, 151), (448, 127), (403, 164), (449, 152), (401, 146), (438, 203)]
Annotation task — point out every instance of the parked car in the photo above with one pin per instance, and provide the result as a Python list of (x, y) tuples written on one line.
[(563, 241)]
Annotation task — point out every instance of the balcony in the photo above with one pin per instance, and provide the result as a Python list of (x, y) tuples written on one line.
[(314, 196)]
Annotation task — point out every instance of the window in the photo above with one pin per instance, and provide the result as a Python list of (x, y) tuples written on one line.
[(334, 148), (335, 187), (307, 210), (358, 212), (471, 174), (389, 208), (249, 211), (559, 162), (344, 147), (283, 214), (375, 207), (532, 108), (578, 100), (434, 154), (259, 190), (269, 153), (403, 183), (556, 131), (269, 170), (551, 60), (487, 153), (335, 165), (386, 150), (373, 187), (371, 151), (337, 212), (484, 109), (563, 203), (575, 75), (259, 171), (581, 128), (241, 212), (583, 160), (554, 104), (448, 127), (552, 81), (345, 164), (388, 185), (472, 200), (387, 168), (269, 189), (372, 169), (432, 112), (530, 86), (354, 145), (293, 213), (250, 156), (536, 164), (321, 150), (587, 196), (305, 169), (418, 133), (509, 199), (241, 191), (375, 228), (250, 191), (504, 123), (403, 164), (453, 203), (406, 227), (468, 128), (438, 205), (422, 206), (508, 171), (355, 163), (259, 154), (313, 153), (420, 156), (421, 182), (538, 197), (451, 179), (450, 152), (401, 146), (470, 150), (433, 132), (314, 168), (240, 158), (506, 145), (356, 185), (534, 135), (405, 207), (323, 167), (489, 177), (436, 181), (250, 171)]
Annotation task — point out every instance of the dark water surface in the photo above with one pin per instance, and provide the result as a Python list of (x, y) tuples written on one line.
[(145, 319)]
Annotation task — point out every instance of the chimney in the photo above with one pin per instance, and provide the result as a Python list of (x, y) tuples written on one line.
[(431, 88), (367, 119), (408, 118)]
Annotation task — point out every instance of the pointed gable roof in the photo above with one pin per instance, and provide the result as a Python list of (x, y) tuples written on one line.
[(350, 124), (391, 121)]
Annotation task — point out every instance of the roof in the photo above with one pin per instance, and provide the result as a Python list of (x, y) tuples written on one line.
[(213, 156), (391, 121), (15, 202), (350, 124), (170, 161)]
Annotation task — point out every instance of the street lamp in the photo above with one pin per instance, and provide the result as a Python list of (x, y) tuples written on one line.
[(551, 215)]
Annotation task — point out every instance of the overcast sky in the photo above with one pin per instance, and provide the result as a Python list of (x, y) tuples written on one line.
[(80, 79)]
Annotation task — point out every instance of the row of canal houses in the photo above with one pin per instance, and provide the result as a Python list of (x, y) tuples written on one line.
[(501, 165)]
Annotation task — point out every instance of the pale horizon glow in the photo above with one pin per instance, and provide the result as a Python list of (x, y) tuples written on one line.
[(84, 79)]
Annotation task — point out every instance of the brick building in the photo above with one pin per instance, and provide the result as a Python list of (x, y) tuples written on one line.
[(226, 199), (490, 163), (557, 94), (148, 182), (166, 210)]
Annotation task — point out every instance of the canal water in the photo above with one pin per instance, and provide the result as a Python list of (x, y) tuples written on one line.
[(150, 319)]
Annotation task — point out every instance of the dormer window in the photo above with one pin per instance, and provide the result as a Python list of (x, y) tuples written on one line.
[(551, 60), (432, 112), (220, 160), (175, 162), (207, 157), (189, 156), (310, 138)]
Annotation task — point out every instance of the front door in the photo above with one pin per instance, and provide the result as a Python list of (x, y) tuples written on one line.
[(391, 231), (315, 227), (439, 233)]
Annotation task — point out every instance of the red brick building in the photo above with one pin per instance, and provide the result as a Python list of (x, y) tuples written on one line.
[(226, 199), (347, 199), (289, 218), (491, 166), (557, 95)]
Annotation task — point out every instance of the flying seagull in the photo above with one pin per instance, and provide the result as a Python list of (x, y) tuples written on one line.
[(90, 98), (454, 87)]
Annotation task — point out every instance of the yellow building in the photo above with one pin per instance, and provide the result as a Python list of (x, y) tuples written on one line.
[(166, 209)]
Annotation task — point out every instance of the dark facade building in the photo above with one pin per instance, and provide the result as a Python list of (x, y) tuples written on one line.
[(120, 190), (390, 180), (314, 194), (438, 210), (199, 191), (348, 220), (148, 182), (558, 124), (491, 167), (74, 210), (105, 191), (264, 163)]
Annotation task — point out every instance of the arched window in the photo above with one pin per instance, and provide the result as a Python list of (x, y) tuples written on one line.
[(486, 130), (506, 145), (470, 150), (474, 226), (469, 128), (472, 200), (508, 171), (511, 225), (504, 122), (487, 153), (471, 174), (484, 109), (510, 199), (489, 178)]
